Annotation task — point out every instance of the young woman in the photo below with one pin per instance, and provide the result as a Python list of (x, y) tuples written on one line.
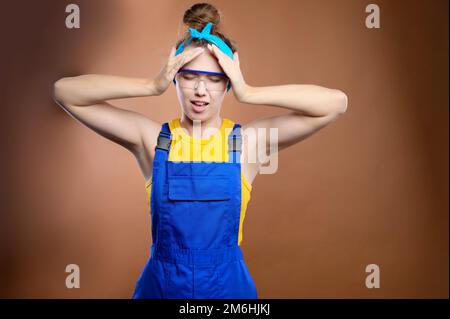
[(198, 174)]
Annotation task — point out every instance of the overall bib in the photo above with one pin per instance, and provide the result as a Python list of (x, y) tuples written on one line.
[(195, 214)]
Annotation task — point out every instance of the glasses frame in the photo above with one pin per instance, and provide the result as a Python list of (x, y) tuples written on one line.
[(206, 72)]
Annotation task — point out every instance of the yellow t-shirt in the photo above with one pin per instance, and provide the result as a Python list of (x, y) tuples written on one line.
[(186, 148)]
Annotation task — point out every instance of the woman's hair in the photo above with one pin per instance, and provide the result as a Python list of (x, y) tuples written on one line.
[(197, 17)]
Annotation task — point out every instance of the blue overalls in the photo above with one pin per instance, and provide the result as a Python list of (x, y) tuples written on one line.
[(195, 212)]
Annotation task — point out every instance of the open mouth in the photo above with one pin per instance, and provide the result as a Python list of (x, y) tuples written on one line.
[(199, 106)]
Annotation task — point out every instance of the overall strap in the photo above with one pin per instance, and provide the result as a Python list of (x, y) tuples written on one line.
[(164, 138), (235, 144), (161, 157), (163, 146)]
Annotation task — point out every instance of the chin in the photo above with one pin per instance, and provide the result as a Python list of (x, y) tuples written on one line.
[(203, 116)]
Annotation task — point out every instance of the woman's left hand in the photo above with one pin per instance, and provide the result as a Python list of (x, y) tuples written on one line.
[(233, 71)]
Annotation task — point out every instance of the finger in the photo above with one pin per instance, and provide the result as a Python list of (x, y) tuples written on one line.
[(192, 55), (186, 56), (219, 54), (198, 51), (218, 51), (195, 51), (236, 57), (172, 52), (212, 49)]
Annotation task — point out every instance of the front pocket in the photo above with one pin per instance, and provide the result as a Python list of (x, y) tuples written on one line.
[(197, 209), (199, 188)]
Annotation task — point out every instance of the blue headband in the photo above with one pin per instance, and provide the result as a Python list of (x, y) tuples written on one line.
[(205, 34)]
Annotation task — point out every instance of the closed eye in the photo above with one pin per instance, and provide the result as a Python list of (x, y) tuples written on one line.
[(216, 78), (188, 75)]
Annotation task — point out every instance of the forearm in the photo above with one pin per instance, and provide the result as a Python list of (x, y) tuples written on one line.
[(311, 100), (89, 89)]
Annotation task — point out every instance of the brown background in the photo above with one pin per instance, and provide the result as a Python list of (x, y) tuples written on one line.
[(370, 188)]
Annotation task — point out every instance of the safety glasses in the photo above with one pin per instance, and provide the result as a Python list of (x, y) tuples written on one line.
[(214, 81)]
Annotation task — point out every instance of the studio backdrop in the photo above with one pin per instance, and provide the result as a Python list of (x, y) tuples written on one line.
[(365, 196)]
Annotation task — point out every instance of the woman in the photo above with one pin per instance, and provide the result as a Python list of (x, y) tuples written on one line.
[(198, 173)]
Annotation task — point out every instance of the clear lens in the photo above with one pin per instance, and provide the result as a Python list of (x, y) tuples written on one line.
[(213, 82)]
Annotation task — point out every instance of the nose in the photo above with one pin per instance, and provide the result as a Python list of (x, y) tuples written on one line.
[(201, 88)]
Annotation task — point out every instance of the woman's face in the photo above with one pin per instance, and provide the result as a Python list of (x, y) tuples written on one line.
[(205, 89)]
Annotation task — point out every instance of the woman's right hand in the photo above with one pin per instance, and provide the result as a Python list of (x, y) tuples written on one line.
[(174, 63)]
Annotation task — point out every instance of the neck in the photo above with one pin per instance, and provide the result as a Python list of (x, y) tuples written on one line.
[(203, 129)]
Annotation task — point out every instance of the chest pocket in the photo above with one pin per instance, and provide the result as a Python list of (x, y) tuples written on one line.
[(199, 188)]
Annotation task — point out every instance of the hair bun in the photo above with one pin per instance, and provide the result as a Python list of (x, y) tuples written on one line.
[(199, 14), (197, 17)]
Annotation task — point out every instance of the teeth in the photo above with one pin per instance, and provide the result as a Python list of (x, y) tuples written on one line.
[(199, 104)]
